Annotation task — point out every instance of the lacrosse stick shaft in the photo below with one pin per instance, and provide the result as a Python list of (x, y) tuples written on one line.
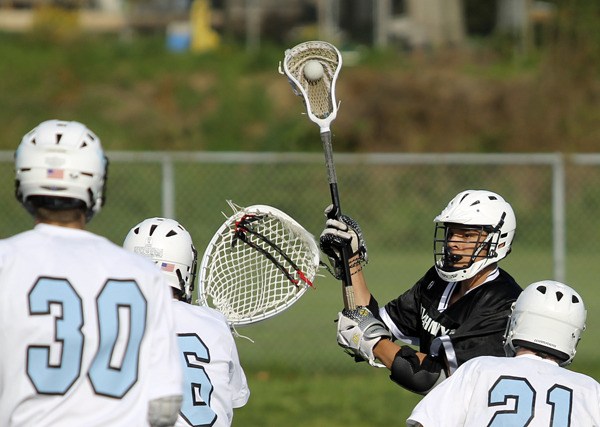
[(321, 106), (348, 291)]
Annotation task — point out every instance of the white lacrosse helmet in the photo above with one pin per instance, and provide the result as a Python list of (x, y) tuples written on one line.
[(170, 246), (480, 210), (549, 317), (61, 165)]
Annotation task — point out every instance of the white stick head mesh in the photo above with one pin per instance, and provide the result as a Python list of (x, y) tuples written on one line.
[(319, 95), (257, 264)]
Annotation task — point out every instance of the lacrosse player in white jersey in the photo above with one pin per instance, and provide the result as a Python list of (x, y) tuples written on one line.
[(214, 381), (530, 389), (86, 327)]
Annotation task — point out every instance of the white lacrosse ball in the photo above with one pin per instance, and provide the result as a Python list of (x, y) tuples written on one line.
[(313, 70)]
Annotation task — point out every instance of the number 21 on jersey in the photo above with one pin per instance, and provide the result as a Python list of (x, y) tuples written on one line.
[(558, 398)]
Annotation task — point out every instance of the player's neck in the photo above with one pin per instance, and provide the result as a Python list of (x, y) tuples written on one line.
[(523, 350), (466, 285), (79, 224), (68, 218), (478, 279)]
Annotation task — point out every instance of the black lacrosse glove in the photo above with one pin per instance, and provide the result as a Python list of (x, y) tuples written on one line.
[(338, 234)]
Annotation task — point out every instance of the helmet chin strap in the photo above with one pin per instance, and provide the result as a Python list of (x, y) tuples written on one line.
[(181, 296)]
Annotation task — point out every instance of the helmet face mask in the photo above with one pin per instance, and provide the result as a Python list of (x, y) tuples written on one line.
[(475, 230), (170, 246), (548, 317), (61, 165), (458, 247)]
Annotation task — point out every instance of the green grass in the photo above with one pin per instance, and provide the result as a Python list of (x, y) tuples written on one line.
[(349, 400)]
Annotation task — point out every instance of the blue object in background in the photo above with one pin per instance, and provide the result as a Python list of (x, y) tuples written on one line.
[(179, 36)]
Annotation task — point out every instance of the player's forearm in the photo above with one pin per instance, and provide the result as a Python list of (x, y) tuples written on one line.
[(385, 351), (362, 295)]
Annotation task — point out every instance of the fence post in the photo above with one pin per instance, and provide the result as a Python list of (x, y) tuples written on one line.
[(558, 217), (168, 187)]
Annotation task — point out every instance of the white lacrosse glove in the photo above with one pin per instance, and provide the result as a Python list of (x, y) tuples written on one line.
[(337, 234), (358, 331)]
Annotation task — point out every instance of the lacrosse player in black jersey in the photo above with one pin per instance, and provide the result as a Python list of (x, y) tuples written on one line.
[(458, 310)]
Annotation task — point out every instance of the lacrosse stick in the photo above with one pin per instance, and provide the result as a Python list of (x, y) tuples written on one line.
[(258, 263), (312, 68)]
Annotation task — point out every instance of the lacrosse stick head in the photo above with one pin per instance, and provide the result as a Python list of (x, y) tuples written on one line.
[(317, 90), (258, 263)]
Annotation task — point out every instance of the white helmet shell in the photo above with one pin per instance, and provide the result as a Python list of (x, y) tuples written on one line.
[(61, 159), (548, 316), (476, 208), (170, 246)]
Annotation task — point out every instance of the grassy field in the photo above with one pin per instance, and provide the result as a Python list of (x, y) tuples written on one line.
[(349, 400)]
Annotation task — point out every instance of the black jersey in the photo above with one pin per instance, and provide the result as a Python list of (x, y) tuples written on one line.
[(472, 326)]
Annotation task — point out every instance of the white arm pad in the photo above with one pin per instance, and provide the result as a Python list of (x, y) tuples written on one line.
[(163, 412)]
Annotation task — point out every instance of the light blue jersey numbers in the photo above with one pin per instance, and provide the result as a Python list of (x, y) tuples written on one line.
[(559, 399), (110, 374), (198, 388)]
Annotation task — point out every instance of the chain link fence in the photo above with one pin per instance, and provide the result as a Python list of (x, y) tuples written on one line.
[(394, 197)]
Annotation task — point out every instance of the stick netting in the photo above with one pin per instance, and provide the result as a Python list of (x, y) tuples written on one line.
[(259, 273), (318, 94)]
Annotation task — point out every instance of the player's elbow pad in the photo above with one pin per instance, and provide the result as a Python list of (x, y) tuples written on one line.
[(163, 412), (408, 372)]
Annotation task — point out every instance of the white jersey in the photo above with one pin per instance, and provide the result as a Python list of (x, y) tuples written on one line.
[(525, 390), (86, 332), (214, 381)]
